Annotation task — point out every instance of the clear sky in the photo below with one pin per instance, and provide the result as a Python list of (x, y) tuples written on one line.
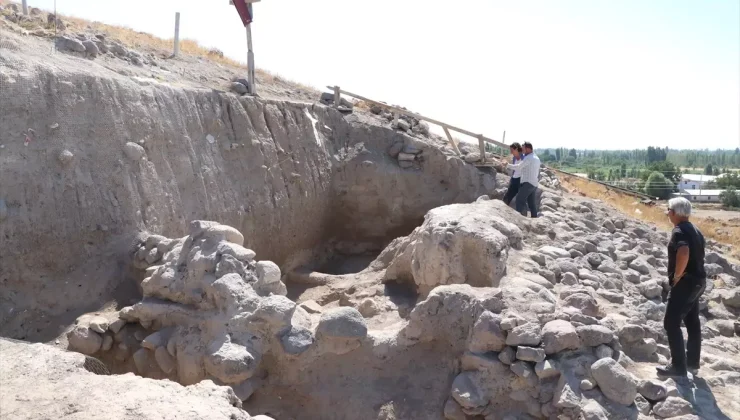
[(572, 73)]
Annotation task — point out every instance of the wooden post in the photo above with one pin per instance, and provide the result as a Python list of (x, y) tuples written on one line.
[(25, 7), (482, 147), (452, 142), (250, 56), (337, 96), (177, 35)]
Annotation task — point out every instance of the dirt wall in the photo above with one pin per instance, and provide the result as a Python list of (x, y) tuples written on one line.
[(92, 157)]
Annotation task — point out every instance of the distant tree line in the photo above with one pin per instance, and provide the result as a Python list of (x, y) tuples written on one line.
[(655, 171)]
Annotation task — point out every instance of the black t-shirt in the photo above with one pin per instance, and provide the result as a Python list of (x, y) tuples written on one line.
[(686, 234)]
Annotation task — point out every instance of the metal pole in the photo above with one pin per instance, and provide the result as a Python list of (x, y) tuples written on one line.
[(25, 7), (177, 34), (250, 56), (337, 96)]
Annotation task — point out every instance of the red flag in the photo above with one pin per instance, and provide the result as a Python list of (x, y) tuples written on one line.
[(244, 11)]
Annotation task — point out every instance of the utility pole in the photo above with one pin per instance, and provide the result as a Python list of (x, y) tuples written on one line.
[(25, 7), (250, 55), (246, 13), (177, 35)]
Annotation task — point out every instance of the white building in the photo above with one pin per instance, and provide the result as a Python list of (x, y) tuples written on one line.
[(694, 182), (701, 196)]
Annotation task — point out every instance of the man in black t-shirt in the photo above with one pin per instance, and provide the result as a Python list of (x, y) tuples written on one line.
[(687, 280)]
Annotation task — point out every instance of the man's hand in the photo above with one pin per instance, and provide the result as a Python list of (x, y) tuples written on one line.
[(666, 291), (677, 277)]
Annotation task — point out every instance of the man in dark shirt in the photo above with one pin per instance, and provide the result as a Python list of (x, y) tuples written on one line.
[(687, 280)]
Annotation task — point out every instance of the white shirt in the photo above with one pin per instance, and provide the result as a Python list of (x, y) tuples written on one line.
[(529, 168), (516, 173)]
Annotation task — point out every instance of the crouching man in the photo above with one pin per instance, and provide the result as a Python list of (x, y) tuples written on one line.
[(687, 281)]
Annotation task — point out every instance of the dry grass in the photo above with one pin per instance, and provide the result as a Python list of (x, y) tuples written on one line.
[(163, 47), (724, 232)]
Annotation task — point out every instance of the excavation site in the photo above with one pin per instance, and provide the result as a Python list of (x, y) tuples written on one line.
[(174, 248)]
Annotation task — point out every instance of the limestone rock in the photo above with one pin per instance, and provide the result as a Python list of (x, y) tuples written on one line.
[(640, 265), (507, 356), (653, 390), (732, 298), (297, 340), (311, 307), (567, 392), (554, 252), (592, 410), (672, 407), (239, 88), (587, 384), (99, 324), (530, 354), (487, 334), (559, 335), (368, 308), (342, 322), (614, 381), (66, 157), (230, 362), (107, 342), (528, 334), (84, 340), (594, 335), (630, 333), (546, 369), (522, 369), (643, 405), (466, 390), (164, 360), (585, 302), (650, 289), (134, 151)]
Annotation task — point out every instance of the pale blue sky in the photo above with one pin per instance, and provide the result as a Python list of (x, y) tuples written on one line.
[(574, 73)]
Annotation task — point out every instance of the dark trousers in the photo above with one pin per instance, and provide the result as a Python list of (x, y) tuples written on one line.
[(513, 189), (683, 305), (526, 198)]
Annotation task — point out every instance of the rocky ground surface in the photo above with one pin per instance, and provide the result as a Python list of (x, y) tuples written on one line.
[(556, 317), (41, 382)]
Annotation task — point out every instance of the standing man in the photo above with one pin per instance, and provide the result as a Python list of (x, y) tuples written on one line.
[(515, 181), (529, 168), (687, 280)]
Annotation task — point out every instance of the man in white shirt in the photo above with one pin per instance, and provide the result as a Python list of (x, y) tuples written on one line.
[(529, 168)]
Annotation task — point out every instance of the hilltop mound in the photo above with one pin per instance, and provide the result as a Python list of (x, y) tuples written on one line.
[(307, 262)]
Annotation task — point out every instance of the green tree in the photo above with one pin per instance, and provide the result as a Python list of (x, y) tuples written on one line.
[(573, 153), (730, 198), (557, 154), (708, 170), (658, 185), (623, 170), (668, 169)]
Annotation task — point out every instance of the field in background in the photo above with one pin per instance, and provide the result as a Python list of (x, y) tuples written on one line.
[(724, 231)]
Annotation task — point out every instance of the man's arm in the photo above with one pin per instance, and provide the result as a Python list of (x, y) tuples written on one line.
[(682, 260), (521, 165)]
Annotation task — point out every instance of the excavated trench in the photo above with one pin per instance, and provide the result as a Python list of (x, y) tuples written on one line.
[(317, 192)]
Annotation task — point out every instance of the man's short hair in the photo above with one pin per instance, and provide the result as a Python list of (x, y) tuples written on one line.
[(516, 146), (528, 145), (680, 206)]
